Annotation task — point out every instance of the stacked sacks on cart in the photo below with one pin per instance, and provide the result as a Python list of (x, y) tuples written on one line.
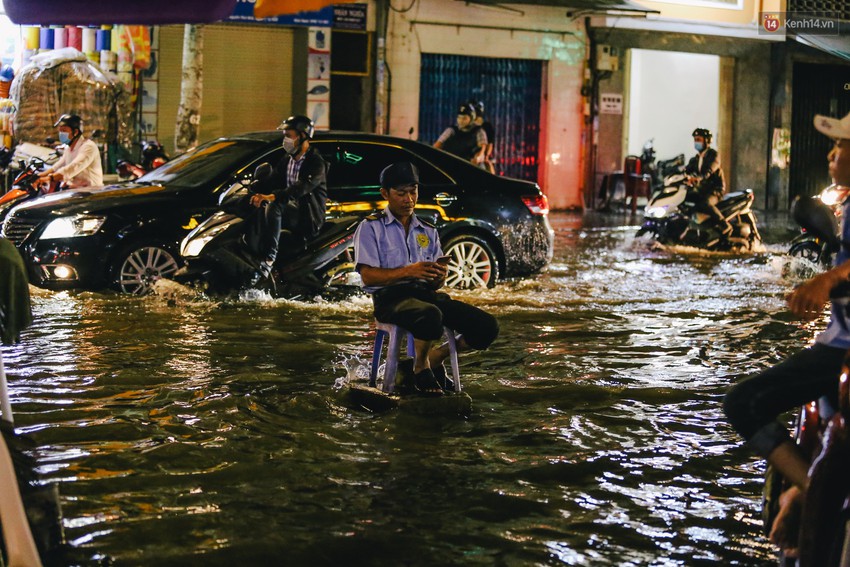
[(65, 81)]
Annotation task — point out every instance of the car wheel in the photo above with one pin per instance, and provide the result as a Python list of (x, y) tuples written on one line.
[(473, 263), (139, 267)]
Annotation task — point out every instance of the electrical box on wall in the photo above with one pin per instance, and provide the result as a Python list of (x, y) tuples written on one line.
[(607, 58)]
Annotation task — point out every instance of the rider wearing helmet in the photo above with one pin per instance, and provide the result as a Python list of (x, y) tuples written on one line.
[(487, 126), (80, 164), (465, 139), (755, 406), (705, 172), (294, 194)]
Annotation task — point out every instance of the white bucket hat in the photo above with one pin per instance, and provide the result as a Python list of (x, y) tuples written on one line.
[(833, 127)]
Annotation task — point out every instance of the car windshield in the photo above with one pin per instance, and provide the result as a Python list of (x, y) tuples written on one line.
[(204, 164)]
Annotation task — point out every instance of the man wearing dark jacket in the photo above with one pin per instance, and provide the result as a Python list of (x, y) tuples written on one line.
[(293, 194), (705, 172)]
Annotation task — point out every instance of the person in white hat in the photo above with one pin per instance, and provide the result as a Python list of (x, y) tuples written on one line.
[(753, 405)]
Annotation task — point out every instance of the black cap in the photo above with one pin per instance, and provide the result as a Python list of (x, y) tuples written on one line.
[(399, 174)]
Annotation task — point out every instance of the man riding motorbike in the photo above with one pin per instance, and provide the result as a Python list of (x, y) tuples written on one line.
[(80, 164), (703, 170), (291, 197), (753, 405), (465, 139)]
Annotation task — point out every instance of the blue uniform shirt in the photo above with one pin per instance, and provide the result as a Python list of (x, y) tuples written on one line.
[(837, 334), (381, 242)]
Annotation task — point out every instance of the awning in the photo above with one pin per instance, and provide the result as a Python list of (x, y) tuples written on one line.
[(579, 6), (837, 45), (100, 12)]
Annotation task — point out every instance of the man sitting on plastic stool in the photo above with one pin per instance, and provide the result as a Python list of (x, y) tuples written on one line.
[(402, 265)]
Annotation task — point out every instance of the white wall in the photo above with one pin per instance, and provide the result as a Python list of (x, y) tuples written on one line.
[(670, 94)]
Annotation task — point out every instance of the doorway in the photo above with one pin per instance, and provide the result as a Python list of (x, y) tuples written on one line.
[(670, 94), (511, 91)]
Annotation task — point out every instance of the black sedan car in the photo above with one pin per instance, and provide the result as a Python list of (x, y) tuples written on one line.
[(127, 236)]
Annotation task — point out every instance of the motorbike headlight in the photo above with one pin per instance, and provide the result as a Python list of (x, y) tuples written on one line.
[(833, 195), (70, 227), (656, 212), (193, 244)]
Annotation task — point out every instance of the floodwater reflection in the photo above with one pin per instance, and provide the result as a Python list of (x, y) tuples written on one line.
[(187, 431)]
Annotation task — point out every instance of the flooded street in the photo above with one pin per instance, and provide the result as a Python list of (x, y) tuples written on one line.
[(190, 432)]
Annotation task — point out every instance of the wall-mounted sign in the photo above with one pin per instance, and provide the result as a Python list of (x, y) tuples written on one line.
[(610, 103), (319, 76), (244, 13), (350, 16)]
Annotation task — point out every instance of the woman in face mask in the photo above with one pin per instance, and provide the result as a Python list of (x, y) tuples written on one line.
[(80, 164)]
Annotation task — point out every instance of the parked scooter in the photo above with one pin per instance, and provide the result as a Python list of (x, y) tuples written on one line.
[(823, 436), (24, 184), (658, 171), (219, 258), (671, 218), (153, 155), (818, 217)]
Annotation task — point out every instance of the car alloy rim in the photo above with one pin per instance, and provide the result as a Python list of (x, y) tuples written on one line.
[(470, 266), (143, 267)]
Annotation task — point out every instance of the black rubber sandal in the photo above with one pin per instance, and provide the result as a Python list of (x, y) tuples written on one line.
[(427, 384)]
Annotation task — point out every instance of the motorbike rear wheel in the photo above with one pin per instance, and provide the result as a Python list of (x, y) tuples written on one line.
[(807, 250)]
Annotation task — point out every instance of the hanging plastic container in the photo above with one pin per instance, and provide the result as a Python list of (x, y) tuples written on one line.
[(60, 38), (45, 41), (75, 37), (32, 34)]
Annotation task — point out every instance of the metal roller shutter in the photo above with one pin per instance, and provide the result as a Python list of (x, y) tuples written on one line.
[(247, 79)]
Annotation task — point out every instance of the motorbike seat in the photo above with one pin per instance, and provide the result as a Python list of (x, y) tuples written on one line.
[(732, 199)]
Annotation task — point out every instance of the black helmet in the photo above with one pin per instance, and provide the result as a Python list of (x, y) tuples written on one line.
[(72, 121), (704, 132), (478, 105), (399, 174), (300, 124), (466, 109)]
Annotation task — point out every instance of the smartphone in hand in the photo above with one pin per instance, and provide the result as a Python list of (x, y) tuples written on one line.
[(444, 260)]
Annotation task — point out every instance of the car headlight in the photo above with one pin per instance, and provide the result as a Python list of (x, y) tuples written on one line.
[(656, 212), (70, 227)]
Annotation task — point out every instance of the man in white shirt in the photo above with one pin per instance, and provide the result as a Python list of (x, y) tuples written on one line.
[(80, 165)]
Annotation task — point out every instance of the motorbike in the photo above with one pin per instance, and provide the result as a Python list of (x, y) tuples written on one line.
[(220, 259), (817, 216), (658, 171), (823, 436), (153, 155), (24, 184), (671, 217)]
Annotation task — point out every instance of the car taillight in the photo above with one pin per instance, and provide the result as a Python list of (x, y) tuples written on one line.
[(537, 204)]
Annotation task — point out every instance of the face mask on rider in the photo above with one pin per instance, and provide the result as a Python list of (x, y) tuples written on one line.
[(64, 137), (699, 146), (289, 146)]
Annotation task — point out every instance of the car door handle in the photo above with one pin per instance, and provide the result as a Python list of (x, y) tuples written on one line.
[(444, 199)]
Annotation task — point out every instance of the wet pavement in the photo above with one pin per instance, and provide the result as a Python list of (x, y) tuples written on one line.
[(184, 431)]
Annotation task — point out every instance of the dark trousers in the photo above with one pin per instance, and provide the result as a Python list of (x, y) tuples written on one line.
[(424, 312), (753, 405), (266, 224)]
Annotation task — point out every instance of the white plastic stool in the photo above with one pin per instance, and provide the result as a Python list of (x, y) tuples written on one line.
[(395, 333)]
